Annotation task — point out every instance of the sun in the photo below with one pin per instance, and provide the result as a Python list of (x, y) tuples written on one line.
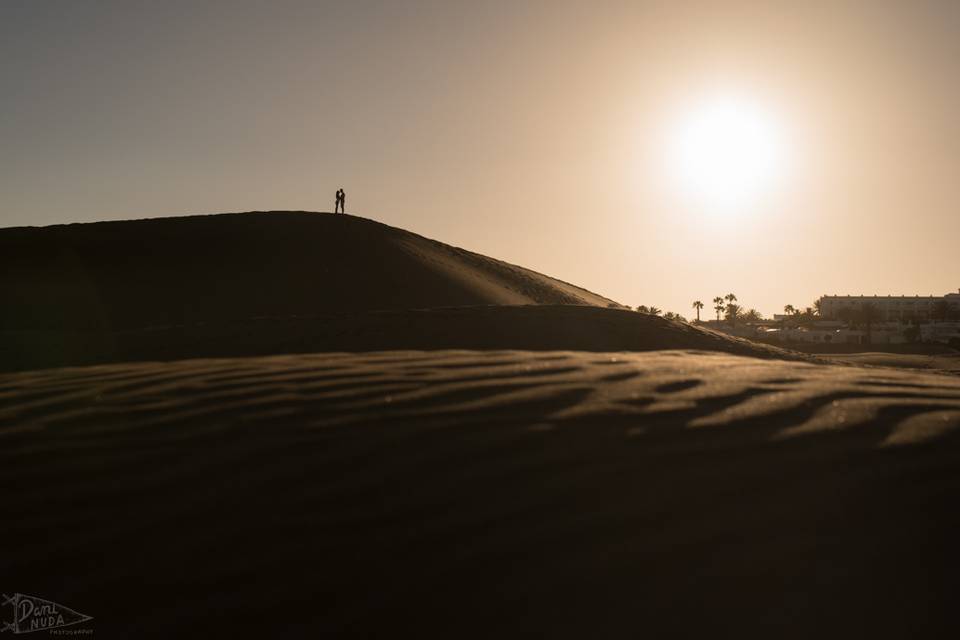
[(725, 153)]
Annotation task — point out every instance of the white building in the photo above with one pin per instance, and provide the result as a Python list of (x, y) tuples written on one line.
[(890, 308)]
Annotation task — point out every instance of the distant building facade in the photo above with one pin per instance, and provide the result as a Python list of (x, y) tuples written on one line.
[(946, 332), (891, 308)]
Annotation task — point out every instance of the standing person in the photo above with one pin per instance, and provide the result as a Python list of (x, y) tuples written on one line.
[(343, 200), (336, 206)]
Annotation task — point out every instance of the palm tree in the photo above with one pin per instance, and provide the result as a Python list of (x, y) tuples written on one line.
[(817, 306), (753, 316), (698, 305), (654, 311), (733, 312), (788, 310), (806, 318), (643, 309), (718, 306)]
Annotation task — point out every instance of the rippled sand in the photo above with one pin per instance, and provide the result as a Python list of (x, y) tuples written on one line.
[(485, 494)]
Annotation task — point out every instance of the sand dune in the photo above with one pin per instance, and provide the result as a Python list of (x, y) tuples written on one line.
[(252, 284), (488, 461), (539, 327), (486, 494), (111, 276)]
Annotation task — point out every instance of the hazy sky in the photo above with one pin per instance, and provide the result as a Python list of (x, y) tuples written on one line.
[(534, 132)]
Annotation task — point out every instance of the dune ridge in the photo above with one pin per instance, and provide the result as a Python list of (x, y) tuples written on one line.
[(530, 327), (237, 285), (121, 275)]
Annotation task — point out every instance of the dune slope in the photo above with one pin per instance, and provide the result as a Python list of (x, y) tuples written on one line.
[(250, 284), (533, 327), (129, 274), (486, 494)]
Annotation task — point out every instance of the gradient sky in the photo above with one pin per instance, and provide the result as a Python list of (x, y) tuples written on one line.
[(528, 131)]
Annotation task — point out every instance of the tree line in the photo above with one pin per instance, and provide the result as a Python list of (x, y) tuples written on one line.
[(730, 309), (866, 315), (726, 305)]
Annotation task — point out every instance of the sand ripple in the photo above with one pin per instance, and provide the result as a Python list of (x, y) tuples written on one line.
[(485, 494), (671, 389)]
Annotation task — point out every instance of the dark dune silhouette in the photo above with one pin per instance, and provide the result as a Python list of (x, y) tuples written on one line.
[(531, 327), (132, 274), (291, 282)]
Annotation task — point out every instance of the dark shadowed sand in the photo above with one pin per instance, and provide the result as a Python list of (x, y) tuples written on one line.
[(528, 327), (486, 494), (478, 455), (113, 276)]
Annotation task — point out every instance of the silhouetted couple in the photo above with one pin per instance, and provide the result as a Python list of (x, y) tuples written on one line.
[(341, 204)]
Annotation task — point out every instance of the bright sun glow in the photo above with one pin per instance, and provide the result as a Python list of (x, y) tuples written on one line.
[(725, 154)]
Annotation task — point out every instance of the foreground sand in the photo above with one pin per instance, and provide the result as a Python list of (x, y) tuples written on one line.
[(486, 494)]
